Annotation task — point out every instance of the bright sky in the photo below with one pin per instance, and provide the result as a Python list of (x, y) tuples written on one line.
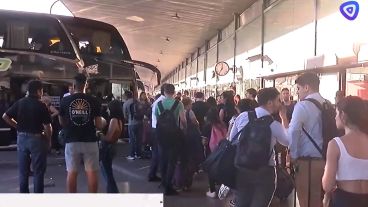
[(39, 6)]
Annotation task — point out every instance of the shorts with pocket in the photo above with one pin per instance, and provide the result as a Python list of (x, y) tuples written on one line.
[(82, 153)]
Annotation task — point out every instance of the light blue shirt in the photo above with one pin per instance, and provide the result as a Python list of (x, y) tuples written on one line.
[(306, 115), (277, 130)]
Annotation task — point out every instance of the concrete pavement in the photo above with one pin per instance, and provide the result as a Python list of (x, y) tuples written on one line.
[(131, 177)]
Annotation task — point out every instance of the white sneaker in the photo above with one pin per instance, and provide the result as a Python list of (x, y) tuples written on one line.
[(223, 191), (130, 158), (232, 203), (211, 194)]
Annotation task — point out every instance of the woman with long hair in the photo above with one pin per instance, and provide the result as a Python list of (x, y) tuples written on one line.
[(213, 132), (211, 101), (228, 110), (143, 98), (345, 179), (108, 144)]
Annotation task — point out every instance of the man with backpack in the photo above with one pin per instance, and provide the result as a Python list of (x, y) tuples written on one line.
[(311, 126), (134, 113), (257, 133), (171, 121)]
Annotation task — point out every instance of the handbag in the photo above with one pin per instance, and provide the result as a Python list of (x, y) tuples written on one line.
[(285, 182)]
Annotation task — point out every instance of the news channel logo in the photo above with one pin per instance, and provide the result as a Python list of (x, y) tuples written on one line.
[(350, 10)]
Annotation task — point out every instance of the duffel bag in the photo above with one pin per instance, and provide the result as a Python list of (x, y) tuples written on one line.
[(220, 164)]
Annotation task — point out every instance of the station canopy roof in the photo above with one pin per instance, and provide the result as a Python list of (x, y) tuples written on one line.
[(162, 32)]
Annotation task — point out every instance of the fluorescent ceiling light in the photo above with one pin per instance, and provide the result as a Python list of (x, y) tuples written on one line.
[(39, 6), (135, 18)]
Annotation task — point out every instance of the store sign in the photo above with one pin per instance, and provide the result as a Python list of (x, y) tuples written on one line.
[(320, 61), (5, 64)]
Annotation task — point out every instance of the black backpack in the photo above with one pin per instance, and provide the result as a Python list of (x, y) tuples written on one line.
[(137, 110), (254, 147), (329, 128), (167, 127)]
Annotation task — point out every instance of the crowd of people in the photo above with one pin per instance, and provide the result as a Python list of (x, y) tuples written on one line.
[(181, 132)]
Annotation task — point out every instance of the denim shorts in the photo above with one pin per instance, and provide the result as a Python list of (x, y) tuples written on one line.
[(82, 153)]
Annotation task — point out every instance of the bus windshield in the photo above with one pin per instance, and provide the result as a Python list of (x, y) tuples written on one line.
[(94, 41), (34, 34)]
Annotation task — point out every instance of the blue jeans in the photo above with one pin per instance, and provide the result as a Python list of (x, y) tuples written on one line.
[(135, 139), (32, 149), (107, 153)]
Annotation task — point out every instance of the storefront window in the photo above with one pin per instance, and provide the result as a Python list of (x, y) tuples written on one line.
[(226, 49), (289, 83), (226, 54), (201, 64), (193, 69), (329, 84), (268, 83), (248, 44), (357, 82), (181, 74), (249, 41), (210, 76), (212, 57), (211, 62), (289, 36)]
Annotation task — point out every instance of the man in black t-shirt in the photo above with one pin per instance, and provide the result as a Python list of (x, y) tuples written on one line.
[(79, 117), (33, 123), (200, 108)]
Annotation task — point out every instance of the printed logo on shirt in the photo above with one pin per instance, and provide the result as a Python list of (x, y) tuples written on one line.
[(79, 111)]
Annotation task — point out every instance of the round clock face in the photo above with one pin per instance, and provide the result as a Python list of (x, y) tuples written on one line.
[(222, 68)]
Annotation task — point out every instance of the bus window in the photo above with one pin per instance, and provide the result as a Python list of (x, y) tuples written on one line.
[(35, 34), (96, 41)]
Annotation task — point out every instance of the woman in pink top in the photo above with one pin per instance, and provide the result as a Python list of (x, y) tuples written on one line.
[(345, 179)]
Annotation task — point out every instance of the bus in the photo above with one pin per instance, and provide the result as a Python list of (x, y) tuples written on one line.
[(53, 49)]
